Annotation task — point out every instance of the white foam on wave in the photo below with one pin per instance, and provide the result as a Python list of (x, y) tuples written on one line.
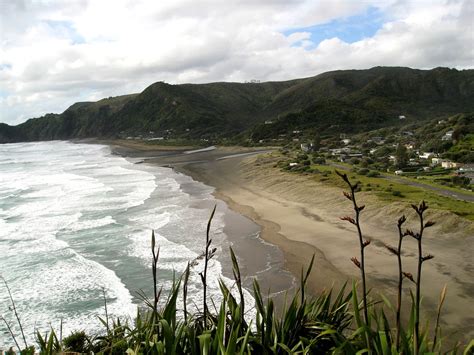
[(48, 278), (91, 223), (180, 232), (84, 188), (69, 289)]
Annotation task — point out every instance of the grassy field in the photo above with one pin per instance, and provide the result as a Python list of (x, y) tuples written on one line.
[(390, 191)]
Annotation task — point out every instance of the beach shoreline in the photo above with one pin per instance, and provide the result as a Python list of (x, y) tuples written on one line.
[(301, 217)]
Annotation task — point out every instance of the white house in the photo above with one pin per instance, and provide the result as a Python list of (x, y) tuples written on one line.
[(449, 164), (447, 136), (401, 117), (426, 155), (307, 147)]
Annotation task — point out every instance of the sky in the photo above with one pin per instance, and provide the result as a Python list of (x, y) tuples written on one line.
[(55, 53)]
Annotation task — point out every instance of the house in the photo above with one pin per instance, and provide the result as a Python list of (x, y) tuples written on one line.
[(401, 117), (426, 155), (410, 146), (338, 151), (437, 161), (346, 141), (307, 147), (447, 164), (293, 164), (407, 133), (268, 122), (448, 136), (398, 172)]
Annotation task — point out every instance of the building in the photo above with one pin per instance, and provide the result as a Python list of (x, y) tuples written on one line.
[(447, 164), (426, 155), (307, 147), (437, 161), (448, 136)]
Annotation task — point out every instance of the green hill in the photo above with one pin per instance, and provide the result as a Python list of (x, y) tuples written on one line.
[(348, 100)]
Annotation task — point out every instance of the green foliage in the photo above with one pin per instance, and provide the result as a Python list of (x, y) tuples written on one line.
[(373, 173), (77, 341), (401, 156), (397, 193)]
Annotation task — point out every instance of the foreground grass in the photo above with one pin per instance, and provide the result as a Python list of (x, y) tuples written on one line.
[(347, 321)]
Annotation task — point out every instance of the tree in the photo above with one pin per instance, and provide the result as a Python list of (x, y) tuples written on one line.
[(401, 156)]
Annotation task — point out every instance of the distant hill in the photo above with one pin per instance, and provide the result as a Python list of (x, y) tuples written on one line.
[(338, 101)]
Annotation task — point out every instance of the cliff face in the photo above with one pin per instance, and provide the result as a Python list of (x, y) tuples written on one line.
[(351, 98)]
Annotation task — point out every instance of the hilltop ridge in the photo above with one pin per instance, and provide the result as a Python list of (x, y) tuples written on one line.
[(345, 99)]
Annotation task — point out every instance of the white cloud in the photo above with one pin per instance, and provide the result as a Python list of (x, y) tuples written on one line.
[(54, 53)]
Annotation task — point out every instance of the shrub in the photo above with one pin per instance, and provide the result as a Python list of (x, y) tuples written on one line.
[(373, 173), (319, 160), (363, 171), (397, 193), (77, 341)]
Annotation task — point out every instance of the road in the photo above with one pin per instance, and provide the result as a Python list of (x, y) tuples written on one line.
[(439, 190)]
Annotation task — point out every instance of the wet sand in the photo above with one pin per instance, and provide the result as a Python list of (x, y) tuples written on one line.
[(302, 217)]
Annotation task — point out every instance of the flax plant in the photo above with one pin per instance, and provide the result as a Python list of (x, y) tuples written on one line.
[(363, 243), (398, 253), (420, 210), (208, 255)]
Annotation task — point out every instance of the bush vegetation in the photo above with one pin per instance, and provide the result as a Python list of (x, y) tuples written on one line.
[(347, 321)]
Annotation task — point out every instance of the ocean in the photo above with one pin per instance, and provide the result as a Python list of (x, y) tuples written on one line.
[(75, 225)]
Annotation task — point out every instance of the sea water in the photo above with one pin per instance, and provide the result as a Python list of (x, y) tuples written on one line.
[(75, 232)]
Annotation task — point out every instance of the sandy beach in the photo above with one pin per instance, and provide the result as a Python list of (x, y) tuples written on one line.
[(302, 217)]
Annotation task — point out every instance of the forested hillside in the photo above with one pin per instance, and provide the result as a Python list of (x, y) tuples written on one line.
[(338, 101)]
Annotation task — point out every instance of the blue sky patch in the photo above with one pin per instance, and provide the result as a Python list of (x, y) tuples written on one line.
[(66, 29), (349, 29)]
